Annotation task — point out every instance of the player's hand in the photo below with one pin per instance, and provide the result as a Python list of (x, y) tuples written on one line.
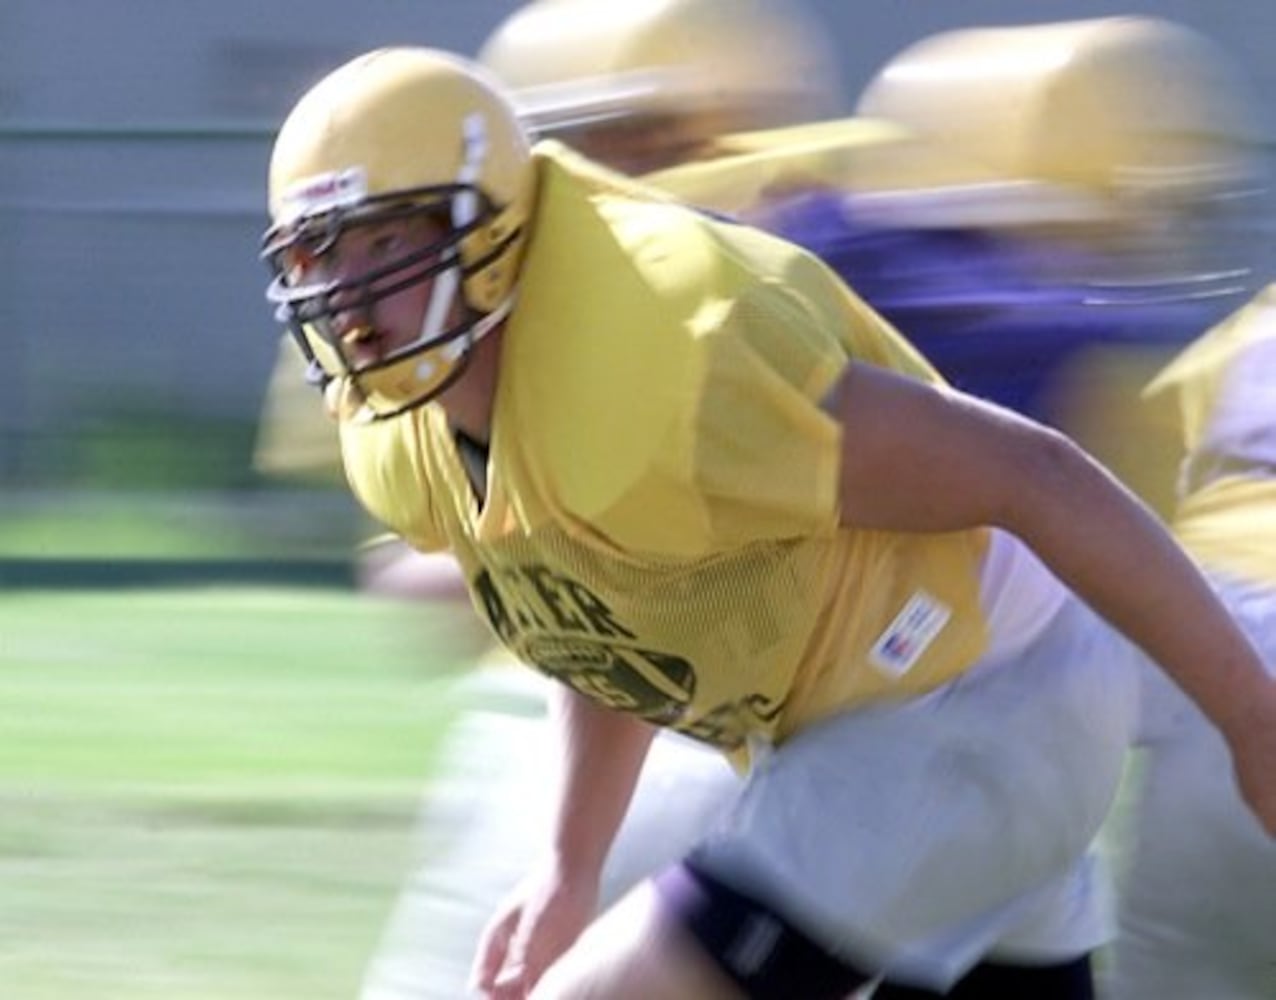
[(535, 925), (1253, 745)]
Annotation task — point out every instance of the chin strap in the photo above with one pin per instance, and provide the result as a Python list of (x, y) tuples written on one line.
[(490, 321), (346, 403)]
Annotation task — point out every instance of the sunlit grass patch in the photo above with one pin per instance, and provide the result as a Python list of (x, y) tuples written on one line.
[(209, 793)]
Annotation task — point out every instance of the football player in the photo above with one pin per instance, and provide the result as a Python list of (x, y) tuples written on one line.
[(638, 86), (697, 481), (1198, 907)]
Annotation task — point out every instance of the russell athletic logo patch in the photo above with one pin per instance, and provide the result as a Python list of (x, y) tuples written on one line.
[(908, 636)]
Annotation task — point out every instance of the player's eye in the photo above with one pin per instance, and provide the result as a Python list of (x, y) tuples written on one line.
[(388, 240), (302, 265), (385, 247)]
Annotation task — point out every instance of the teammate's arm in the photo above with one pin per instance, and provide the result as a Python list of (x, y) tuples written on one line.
[(602, 753), (920, 458)]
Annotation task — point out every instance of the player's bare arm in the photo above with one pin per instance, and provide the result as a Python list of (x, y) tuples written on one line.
[(601, 756), (918, 458)]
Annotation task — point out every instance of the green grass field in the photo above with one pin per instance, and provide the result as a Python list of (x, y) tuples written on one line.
[(208, 793)]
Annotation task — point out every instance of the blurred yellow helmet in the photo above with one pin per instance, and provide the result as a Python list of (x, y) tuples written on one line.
[(1136, 127), (1098, 103), (730, 64), (395, 134)]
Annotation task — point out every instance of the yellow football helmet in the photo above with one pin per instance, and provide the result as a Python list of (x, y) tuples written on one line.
[(1099, 103), (1134, 133), (676, 73), (396, 134)]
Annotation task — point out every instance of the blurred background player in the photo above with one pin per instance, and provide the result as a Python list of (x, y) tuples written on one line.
[(1076, 205), (1121, 217), (1198, 901), (649, 84)]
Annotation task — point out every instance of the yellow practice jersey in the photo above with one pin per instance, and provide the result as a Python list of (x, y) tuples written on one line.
[(1224, 387), (660, 527)]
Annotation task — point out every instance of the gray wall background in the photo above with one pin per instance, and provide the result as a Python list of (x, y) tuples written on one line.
[(133, 141)]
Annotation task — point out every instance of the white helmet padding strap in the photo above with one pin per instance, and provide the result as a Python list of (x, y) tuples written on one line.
[(464, 211)]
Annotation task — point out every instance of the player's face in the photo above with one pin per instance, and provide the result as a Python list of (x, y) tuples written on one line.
[(377, 312)]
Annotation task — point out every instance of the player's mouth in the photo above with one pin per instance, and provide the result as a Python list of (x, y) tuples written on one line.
[(363, 346)]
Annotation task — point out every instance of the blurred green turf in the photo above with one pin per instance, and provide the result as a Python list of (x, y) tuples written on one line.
[(208, 793), (280, 522)]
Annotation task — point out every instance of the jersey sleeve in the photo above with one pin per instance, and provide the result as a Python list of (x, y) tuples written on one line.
[(762, 456)]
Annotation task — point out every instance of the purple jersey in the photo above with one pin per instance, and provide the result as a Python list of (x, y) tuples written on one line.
[(974, 303)]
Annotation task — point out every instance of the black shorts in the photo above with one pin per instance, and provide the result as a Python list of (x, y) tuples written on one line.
[(768, 958)]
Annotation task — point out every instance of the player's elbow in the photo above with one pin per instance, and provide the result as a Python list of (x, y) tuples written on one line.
[(1046, 471)]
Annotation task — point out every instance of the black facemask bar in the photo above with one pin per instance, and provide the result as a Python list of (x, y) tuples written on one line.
[(317, 304)]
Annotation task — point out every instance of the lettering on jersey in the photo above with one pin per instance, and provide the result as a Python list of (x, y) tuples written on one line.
[(536, 599), (563, 628), (910, 633)]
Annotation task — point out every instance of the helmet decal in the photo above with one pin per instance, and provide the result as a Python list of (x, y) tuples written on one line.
[(324, 193)]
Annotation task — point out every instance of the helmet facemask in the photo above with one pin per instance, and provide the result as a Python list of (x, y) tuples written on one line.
[(330, 315)]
